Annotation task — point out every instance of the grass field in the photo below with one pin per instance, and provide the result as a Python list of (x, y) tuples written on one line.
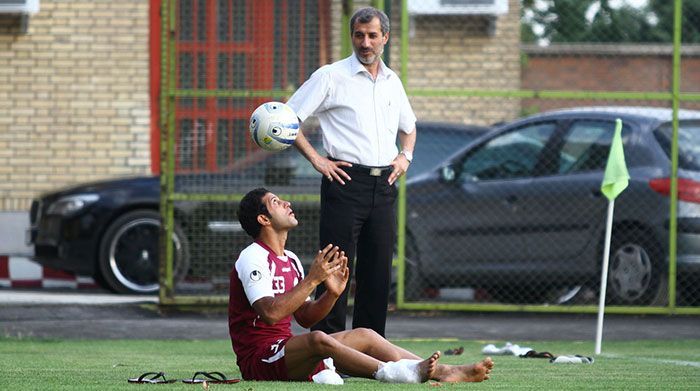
[(33, 364)]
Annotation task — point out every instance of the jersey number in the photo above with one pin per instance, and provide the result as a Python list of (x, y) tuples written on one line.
[(278, 284)]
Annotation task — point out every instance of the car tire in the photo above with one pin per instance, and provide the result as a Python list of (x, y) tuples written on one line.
[(129, 253), (635, 269)]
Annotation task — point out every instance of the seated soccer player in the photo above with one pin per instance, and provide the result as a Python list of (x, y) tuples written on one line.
[(268, 287)]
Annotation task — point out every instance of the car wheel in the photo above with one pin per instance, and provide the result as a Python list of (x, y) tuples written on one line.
[(634, 273), (129, 253)]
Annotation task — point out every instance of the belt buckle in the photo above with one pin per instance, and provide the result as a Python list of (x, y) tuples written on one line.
[(375, 171)]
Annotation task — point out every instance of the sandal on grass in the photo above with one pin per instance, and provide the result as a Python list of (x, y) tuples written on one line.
[(455, 351), (534, 354), (210, 377), (152, 378)]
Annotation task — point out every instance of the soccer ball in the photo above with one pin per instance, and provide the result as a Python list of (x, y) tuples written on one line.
[(274, 126)]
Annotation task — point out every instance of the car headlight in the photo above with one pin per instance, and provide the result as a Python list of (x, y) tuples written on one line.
[(71, 204)]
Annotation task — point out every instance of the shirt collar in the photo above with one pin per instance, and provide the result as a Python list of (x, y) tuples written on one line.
[(357, 67)]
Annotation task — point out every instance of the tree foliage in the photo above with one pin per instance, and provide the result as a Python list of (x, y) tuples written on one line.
[(559, 21)]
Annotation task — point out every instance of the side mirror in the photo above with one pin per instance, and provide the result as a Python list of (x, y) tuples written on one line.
[(451, 172), (448, 173)]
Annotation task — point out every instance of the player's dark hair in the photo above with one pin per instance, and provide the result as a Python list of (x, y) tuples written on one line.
[(250, 208), (365, 15)]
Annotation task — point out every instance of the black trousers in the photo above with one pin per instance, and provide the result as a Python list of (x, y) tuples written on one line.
[(360, 218)]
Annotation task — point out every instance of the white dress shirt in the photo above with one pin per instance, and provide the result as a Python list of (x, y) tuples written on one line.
[(359, 116)]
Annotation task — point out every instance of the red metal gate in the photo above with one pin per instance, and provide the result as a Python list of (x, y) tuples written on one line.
[(233, 45)]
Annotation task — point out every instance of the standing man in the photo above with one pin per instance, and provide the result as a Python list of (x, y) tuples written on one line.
[(362, 107)]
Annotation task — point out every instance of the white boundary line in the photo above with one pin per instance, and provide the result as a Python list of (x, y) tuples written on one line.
[(34, 297), (682, 363)]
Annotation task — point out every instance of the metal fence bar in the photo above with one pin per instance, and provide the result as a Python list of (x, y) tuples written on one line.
[(189, 93), (401, 213), (673, 212), (543, 94), (164, 111), (540, 94), (583, 309), (237, 197), (167, 139), (345, 46)]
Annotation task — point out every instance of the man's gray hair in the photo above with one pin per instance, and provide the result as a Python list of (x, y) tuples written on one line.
[(365, 15)]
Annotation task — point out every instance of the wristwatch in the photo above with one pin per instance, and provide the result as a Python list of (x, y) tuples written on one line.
[(408, 155)]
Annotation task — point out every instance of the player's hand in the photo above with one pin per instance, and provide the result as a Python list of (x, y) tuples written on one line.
[(400, 164), (325, 264), (336, 282), (332, 170)]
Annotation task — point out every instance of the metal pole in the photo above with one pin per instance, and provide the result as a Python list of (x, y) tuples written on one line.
[(673, 212), (345, 49), (604, 277), (401, 213)]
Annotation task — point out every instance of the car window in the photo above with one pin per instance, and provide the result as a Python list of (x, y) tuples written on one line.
[(436, 144), (586, 146), (509, 155), (688, 143)]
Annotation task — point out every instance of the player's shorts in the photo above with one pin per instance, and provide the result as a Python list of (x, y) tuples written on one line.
[(267, 363)]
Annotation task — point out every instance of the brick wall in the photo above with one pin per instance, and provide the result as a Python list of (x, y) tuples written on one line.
[(73, 96), (588, 67), (457, 52)]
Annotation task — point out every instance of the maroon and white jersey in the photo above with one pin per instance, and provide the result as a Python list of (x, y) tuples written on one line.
[(259, 273)]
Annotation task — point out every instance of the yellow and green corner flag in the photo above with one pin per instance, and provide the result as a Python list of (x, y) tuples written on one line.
[(616, 176)]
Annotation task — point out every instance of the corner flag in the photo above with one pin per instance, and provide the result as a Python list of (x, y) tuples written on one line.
[(616, 180), (616, 176)]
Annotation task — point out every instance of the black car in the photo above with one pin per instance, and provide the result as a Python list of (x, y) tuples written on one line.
[(109, 229), (519, 212)]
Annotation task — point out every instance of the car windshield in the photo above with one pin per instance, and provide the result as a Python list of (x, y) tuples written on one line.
[(688, 143), (509, 155), (436, 144)]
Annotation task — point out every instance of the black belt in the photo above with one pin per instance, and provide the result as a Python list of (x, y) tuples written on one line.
[(369, 170)]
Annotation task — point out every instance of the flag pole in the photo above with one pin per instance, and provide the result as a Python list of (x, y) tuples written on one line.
[(604, 277), (615, 180)]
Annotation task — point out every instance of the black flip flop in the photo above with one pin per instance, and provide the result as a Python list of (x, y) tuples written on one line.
[(534, 354), (152, 378), (455, 351), (210, 377)]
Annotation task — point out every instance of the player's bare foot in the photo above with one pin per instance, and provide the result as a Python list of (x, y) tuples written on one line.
[(427, 367), (465, 373)]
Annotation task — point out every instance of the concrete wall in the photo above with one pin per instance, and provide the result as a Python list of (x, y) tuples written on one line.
[(73, 96)]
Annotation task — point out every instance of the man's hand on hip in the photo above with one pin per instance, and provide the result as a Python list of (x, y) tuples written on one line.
[(332, 169), (400, 164)]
